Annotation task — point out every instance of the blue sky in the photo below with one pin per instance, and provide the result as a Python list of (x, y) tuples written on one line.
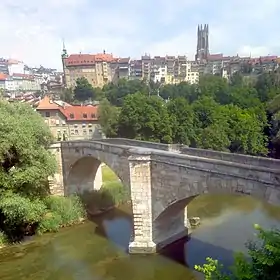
[(32, 30)]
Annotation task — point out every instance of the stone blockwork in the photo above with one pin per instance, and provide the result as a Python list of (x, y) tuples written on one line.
[(163, 179), (56, 182), (81, 160)]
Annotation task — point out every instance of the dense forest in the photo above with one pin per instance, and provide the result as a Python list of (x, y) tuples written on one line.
[(240, 115)]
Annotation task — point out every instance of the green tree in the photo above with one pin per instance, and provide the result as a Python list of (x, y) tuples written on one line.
[(116, 92), (108, 116), (83, 90), (216, 87), (145, 118), (182, 118), (67, 95), (245, 131), (25, 162), (263, 262)]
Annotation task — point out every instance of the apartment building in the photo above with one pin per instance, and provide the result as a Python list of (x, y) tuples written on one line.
[(19, 82), (69, 122)]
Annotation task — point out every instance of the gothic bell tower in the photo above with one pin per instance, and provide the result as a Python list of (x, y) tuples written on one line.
[(202, 49)]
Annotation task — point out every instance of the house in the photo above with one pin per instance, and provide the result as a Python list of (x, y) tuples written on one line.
[(70, 122)]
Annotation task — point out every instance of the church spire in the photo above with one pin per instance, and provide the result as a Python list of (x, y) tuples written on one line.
[(64, 51)]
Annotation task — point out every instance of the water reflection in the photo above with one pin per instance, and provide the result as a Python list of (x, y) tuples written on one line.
[(97, 250)]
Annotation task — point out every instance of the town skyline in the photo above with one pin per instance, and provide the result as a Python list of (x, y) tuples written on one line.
[(161, 28)]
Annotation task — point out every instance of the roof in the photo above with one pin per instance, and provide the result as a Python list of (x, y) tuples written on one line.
[(88, 59), (3, 77), (71, 113), (24, 76), (124, 60)]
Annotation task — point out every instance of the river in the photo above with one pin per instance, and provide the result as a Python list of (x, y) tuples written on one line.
[(96, 250)]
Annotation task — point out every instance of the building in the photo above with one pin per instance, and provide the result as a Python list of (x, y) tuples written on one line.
[(19, 82), (96, 68), (15, 66), (202, 50), (68, 121), (4, 68)]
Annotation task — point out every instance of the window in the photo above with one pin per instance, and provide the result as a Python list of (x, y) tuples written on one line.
[(93, 115), (84, 116), (84, 131), (72, 132), (76, 132), (90, 131), (71, 116), (47, 114)]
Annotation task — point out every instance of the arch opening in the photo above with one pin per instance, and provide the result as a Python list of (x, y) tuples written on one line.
[(99, 186)]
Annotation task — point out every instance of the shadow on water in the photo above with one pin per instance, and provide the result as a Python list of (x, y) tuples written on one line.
[(116, 226)]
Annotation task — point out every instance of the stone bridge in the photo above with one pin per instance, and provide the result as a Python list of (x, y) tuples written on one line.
[(162, 179)]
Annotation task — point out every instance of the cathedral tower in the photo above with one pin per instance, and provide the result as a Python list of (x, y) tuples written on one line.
[(202, 50)]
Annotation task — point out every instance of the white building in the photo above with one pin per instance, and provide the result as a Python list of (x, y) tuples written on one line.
[(15, 66)]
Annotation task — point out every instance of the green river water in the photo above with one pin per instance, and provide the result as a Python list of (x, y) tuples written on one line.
[(96, 250)]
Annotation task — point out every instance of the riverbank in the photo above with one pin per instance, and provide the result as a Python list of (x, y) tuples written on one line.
[(35, 217)]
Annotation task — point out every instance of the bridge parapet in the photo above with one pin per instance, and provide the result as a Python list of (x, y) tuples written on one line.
[(225, 156)]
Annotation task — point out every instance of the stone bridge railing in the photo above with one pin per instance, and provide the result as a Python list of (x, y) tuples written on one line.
[(231, 157)]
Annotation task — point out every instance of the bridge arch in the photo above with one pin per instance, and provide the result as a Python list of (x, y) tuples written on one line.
[(82, 168)]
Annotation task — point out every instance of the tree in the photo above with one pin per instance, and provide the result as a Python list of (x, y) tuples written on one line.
[(67, 95), (108, 117), (245, 131), (83, 90), (116, 93), (145, 118), (263, 262), (25, 162), (182, 118)]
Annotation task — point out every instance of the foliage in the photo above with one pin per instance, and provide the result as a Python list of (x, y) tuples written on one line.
[(3, 239), (240, 115), (108, 117), (25, 162), (117, 191), (21, 210), (61, 211), (263, 262), (145, 118), (83, 90), (116, 93)]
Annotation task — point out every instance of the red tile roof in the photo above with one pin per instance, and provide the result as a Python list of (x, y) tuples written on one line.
[(71, 113), (3, 77), (88, 59)]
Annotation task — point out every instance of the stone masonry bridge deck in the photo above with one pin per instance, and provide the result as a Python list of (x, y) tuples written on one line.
[(162, 179)]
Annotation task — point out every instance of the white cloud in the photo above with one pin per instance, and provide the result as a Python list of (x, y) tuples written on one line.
[(33, 32)]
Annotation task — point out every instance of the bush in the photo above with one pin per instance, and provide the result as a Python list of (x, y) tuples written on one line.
[(117, 191), (264, 261), (50, 223), (19, 216), (18, 210), (62, 211), (3, 239)]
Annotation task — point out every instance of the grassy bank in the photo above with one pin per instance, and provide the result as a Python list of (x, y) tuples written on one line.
[(21, 216)]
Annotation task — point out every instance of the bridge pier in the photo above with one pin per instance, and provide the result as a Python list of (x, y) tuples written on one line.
[(149, 235), (141, 196)]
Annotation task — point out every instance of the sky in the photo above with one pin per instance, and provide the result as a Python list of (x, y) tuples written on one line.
[(33, 31)]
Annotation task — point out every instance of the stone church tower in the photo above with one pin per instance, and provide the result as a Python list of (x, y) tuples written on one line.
[(202, 50)]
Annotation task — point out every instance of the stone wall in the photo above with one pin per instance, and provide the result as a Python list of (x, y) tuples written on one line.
[(184, 176), (238, 158), (56, 182)]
